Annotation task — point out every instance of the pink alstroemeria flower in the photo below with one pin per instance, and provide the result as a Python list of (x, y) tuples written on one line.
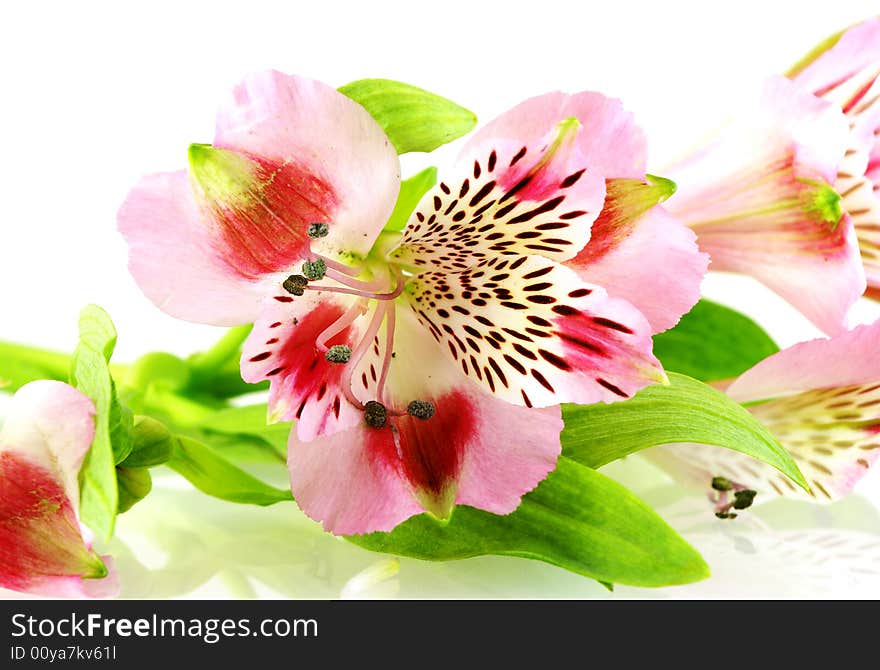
[(821, 400), (764, 200), (423, 369), (43, 548), (846, 71)]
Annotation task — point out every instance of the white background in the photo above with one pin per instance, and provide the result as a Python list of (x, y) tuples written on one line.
[(96, 94)]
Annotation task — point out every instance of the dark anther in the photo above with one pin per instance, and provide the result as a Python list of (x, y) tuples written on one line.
[(295, 284), (317, 230), (744, 498), (725, 515), (421, 409), (338, 353), (314, 270), (375, 414), (721, 484)]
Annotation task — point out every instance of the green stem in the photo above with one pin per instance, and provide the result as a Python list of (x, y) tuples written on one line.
[(176, 409), (206, 363)]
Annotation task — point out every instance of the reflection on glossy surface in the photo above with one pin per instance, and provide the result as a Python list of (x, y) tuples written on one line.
[(179, 543)]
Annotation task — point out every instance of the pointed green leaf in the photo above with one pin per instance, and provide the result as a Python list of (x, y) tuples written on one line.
[(413, 119), (90, 373), (208, 471), (713, 342), (577, 519), (411, 191), (684, 411)]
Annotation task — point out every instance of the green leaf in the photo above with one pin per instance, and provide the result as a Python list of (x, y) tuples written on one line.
[(20, 365), (684, 411), (134, 484), (209, 472), (577, 519), (90, 373), (121, 423), (250, 420), (713, 342), (152, 444), (413, 119), (411, 191)]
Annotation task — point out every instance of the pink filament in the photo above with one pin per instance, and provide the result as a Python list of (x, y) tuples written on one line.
[(358, 354), (346, 280), (339, 325), (336, 265), (363, 294), (390, 318)]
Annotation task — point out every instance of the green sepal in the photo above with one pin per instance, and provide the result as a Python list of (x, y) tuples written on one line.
[(152, 444), (134, 485), (411, 192), (414, 119)]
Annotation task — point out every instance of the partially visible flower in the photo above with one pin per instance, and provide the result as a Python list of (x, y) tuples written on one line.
[(424, 369), (821, 400), (43, 548), (764, 198), (845, 69)]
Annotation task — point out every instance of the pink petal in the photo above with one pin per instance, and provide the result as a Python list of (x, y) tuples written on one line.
[(643, 255), (761, 201), (351, 481), (44, 439), (50, 425), (856, 49), (304, 386), (832, 433), (511, 198), (475, 450), (532, 333), (848, 359), (860, 197), (258, 210), (176, 261), (314, 130), (847, 74), (821, 400), (610, 142)]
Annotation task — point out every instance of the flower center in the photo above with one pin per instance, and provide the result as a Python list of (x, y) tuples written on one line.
[(383, 284)]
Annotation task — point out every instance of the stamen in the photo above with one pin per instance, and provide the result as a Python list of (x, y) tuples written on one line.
[(390, 319), (721, 484), (339, 325), (336, 265), (363, 285), (375, 414), (744, 499), (314, 270), (362, 348), (363, 294), (338, 353), (295, 284), (421, 409), (317, 230)]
